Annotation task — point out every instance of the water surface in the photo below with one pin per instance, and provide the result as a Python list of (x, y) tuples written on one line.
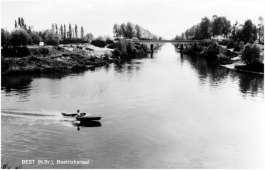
[(164, 111)]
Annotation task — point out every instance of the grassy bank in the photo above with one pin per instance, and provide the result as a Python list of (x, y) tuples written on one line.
[(68, 58), (63, 58)]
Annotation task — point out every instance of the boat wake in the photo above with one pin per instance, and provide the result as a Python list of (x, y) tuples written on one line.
[(34, 117)]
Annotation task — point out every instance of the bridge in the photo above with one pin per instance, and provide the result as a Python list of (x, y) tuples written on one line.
[(180, 44), (167, 41)]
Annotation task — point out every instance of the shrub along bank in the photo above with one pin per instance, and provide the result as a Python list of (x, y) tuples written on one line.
[(250, 54), (126, 49)]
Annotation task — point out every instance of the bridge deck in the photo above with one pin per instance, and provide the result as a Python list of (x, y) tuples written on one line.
[(168, 41)]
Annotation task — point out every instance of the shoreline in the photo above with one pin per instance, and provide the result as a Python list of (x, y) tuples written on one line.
[(232, 67), (64, 58), (223, 56)]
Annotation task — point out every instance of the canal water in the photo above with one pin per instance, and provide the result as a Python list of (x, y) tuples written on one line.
[(164, 111)]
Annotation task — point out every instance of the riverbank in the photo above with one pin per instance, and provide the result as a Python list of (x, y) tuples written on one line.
[(64, 58), (229, 58)]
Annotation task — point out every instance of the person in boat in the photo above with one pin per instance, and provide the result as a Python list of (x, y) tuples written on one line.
[(78, 113)]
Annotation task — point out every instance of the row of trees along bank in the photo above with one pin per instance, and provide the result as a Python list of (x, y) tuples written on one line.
[(131, 30), (221, 27), (127, 49), (23, 35)]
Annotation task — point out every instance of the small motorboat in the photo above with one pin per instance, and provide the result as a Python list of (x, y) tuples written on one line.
[(69, 114), (87, 117)]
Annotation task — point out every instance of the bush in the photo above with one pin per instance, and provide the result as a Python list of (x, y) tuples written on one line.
[(231, 44), (129, 47), (35, 38), (116, 52), (212, 52), (223, 59), (15, 51), (237, 47), (206, 42), (122, 46), (250, 54), (109, 40), (19, 37), (5, 38), (98, 43), (51, 38), (225, 42)]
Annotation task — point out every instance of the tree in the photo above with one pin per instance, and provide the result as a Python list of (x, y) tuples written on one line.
[(139, 32), (52, 27), (76, 31), (5, 37), (19, 22), (225, 26), (197, 34), (216, 26), (29, 30), (56, 28), (82, 32), (178, 37), (51, 38), (64, 35), (205, 28), (22, 22), (234, 30), (249, 31), (117, 30), (261, 30), (123, 29), (250, 54), (15, 24), (25, 27), (61, 32), (19, 37), (35, 38), (130, 30), (183, 37), (70, 32), (89, 37)]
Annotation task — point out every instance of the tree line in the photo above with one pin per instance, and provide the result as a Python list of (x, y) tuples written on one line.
[(221, 26), (131, 30), (24, 35)]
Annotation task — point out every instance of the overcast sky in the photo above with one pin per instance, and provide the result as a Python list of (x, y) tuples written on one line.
[(164, 18)]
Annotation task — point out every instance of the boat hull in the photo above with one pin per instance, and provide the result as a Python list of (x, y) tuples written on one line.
[(88, 118)]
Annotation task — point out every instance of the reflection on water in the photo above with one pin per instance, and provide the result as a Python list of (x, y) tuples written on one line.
[(168, 111), (251, 83), (215, 74), (84, 124), (21, 84)]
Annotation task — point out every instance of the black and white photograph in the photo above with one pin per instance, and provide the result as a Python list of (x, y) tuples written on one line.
[(132, 84)]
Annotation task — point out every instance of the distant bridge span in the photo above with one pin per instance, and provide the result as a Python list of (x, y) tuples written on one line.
[(168, 41)]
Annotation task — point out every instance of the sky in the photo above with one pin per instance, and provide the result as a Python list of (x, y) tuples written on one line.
[(165, 18)]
